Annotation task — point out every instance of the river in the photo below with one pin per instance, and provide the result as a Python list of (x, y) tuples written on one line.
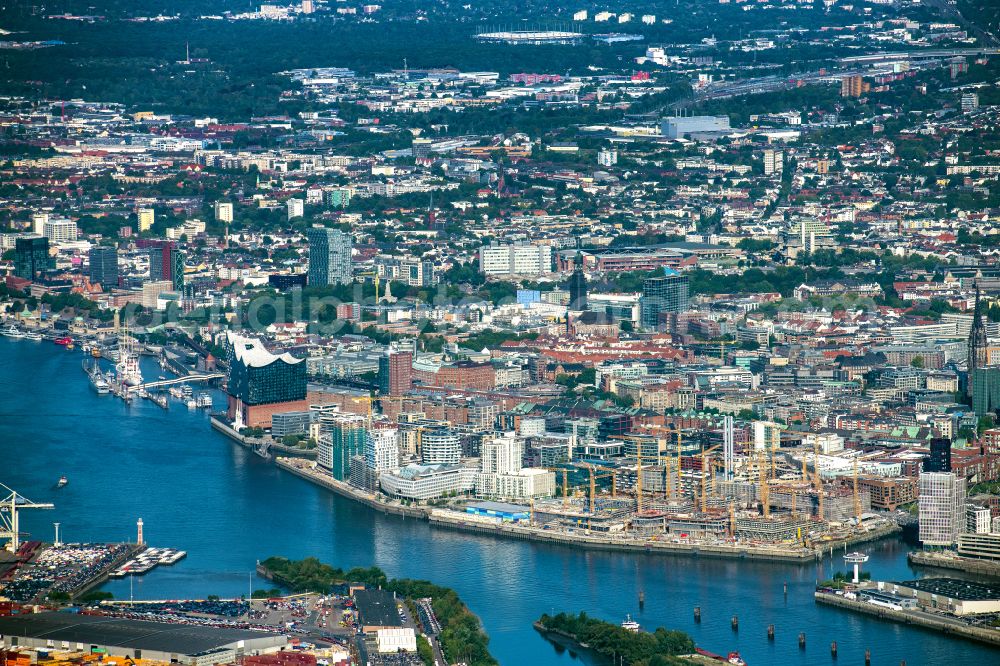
[(196, 490)]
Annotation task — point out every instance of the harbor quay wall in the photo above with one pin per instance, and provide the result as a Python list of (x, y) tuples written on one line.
[(230, 432), (989, 636), (595, 542), (350, 492), (509, 531), (967, 564)]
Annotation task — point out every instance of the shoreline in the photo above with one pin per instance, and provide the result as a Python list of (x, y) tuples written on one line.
[(956, 563), (457, 521), (938, 626)]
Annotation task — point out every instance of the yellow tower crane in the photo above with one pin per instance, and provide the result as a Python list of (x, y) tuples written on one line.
[(857, 496), (817, 481), (706, 469), (765, 486)]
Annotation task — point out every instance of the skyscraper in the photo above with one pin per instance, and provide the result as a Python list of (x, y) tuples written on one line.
[(977, 344), (166, 262), (395, 372), (177, 268), (940, 458), (104, 266), (31, 256), (941, 508), (662, 294), (341, 437), (329, 256)]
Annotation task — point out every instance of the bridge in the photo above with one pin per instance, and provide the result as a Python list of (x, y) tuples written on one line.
[(178, 380)]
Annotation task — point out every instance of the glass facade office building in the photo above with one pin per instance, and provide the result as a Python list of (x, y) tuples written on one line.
[(668, 293), (329, 257), (31, 257)]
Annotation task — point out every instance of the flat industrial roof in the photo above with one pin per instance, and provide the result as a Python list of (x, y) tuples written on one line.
[(954, 588), (124, 633), (377, 608), (500, 507)]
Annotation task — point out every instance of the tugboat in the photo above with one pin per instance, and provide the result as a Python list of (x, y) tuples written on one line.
[(62, 481)]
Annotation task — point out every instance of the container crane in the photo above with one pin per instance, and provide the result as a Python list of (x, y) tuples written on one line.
[(9, 519)]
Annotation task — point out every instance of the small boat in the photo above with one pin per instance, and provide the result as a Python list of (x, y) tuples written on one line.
[(192, 404), (33, 335), (630, 624), (64, 341), (70, 346), (735, 659), (62, 482), (95, 352), (102, 387)]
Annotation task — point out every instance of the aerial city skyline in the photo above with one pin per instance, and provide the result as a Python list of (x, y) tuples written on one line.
[(401, 334)]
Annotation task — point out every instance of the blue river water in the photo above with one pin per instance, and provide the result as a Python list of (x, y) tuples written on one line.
[(196, 490)]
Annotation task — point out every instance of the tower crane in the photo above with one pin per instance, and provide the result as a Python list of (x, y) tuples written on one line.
[(816, 480), (857, 496), (594, 475), (706, 466), (9, 519), (765, 487)]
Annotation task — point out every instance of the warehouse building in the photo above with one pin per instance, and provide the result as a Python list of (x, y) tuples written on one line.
[(137, 639)]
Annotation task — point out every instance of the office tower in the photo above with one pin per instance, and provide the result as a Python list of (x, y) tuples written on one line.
[(223, 211), (977, 344), (662, 294), (177, 268), (296, 208), (941, 508), (578, 290), (939, 459), (395, 372), (104, 266), (440, 447), (773, 162), (261, 383), (341, 437), (31, 256), (146, 218), (329, 256)]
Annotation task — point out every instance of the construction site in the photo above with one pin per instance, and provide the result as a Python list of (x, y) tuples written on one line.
[(659, 490)]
